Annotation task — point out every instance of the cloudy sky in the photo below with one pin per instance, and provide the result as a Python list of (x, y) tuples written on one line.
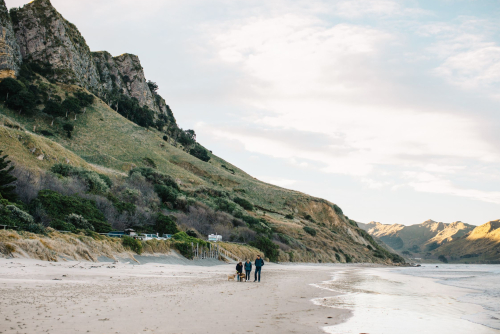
[(389, 109)]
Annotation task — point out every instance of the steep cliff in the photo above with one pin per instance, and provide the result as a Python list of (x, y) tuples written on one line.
[(46, 38), (10, 54), (133, 76), (110, 74), (124, 74)]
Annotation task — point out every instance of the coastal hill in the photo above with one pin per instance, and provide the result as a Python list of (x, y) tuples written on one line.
[(481, 245), (87, 128), (458, 242)]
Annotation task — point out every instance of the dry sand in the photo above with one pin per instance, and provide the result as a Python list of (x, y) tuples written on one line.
[(73, 297)]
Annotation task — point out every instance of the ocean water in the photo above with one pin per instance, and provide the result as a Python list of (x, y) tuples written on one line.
[(484, 280), (428, 299)]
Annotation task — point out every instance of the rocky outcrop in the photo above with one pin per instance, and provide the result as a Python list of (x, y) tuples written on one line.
[(45, 37), (109, 73), (132, 74), (125, 75), (10, 54)]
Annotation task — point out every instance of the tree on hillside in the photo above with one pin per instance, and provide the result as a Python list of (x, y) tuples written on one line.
[(22, 101), (6, 179), (199, 152), (53, 109), (10, 86), (72, 104)]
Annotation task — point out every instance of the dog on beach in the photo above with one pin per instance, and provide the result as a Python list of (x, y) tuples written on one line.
[(231, 277), (243, 277)]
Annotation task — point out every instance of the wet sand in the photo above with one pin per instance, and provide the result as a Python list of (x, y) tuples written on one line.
[(391, 301), (72, 297)]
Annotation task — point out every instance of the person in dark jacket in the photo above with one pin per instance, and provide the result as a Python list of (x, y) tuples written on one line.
[(248, 269), (239, 269), (259, 263)]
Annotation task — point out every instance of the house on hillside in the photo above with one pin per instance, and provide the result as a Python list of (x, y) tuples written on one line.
[(214, 237)]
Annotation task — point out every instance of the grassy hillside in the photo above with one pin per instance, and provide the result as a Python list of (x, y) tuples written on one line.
[(481, 245), (106, 142)]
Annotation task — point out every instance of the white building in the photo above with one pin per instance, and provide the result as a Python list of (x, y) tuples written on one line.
[(214, 237)]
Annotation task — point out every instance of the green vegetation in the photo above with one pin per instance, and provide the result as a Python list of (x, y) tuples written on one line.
[(269, 248), (310, 230), (166, 224), (199, 152), (442, 258), (245, 204), (96, 183), (289, 216), (6, 179), (133, 244), (59, 206)]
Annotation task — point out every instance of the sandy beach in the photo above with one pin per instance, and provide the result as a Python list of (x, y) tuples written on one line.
[(106, 297), (73, 297)]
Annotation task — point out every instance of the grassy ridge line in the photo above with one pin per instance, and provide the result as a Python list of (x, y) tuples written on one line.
[(104, 137)]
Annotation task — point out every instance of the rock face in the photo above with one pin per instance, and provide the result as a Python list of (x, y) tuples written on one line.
[(45, 37), (133, 76), (10, 54), (110, 75), (125, 74)]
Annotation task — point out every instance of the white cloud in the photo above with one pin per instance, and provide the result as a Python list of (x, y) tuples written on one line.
[(432, 183)]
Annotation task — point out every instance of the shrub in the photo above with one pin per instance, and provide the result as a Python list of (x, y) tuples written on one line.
[(192, 233), (23, 101), (225, 205), (166, 193), (46, 133), (289, 216), (10, 86), (59, 206), (243, 203), (310, 230), (149, 162), (100, 226), (79, 222), (96, 183), (54, 108), (309, 217), (185, 248), (432, 246), (166, 224), (20, 215), (337, 209), (337, 256), (165, 138), (348, 258), (7, 179), (269, 248), (36, 228), (156, 177), (133, 244), (199, 152), (442, 258), (84, 99), (62, 226), (68, 127)]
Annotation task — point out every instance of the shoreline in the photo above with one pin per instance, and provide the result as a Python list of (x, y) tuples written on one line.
[(385, 300)]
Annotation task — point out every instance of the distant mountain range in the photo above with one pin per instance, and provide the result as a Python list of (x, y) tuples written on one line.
[(458, 241)]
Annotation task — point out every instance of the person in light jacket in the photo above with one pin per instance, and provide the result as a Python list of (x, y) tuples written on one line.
[(248, 269), (259, 263)]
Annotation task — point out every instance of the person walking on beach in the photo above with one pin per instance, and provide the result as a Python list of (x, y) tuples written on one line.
[(239, 270), (259, 263), (248, 269)]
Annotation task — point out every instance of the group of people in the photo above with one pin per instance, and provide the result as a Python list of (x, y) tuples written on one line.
[(259, 263)]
